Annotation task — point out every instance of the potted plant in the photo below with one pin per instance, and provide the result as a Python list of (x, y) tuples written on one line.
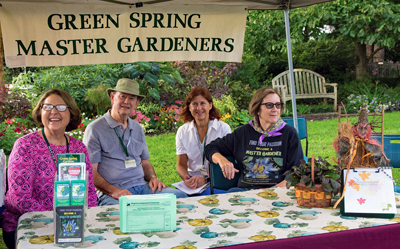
[(315, 181)]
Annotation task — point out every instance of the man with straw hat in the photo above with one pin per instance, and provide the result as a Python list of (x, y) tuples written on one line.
[(118, 151)]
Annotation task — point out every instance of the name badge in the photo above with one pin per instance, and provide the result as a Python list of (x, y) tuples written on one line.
[(130, 163), (203, 171)]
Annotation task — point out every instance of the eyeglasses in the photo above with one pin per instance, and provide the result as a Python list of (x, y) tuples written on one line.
[(271, 105), (60, 108)]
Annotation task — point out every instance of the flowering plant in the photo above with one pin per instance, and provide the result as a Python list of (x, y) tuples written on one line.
[(78, 133), (374, 103), (166, 120), (11, 130)]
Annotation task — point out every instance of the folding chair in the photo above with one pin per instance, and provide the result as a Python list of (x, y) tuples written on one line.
[(217, 180), (302, 125)]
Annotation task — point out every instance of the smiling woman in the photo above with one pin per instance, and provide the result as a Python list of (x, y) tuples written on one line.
[(32, 162), (202, 125)]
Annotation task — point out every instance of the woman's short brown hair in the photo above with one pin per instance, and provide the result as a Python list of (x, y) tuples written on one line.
[(75, 119), (186, 116), (255, 103)]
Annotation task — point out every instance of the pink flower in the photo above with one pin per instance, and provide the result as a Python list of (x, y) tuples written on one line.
[(179, 102)]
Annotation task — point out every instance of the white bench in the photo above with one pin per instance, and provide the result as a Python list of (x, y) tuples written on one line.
[(308, 85)]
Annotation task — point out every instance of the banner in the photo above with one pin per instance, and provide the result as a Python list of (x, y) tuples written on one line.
[(51, 34)]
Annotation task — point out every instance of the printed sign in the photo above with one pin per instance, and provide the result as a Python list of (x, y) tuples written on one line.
[(53, 34)]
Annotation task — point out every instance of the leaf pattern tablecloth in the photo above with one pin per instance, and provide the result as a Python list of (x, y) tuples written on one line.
[(205, 222)]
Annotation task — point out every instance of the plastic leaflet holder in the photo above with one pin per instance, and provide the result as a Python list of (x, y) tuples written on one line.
[(70, 199), (147, 213)]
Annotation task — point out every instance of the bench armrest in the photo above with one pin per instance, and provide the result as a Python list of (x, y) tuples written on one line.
[(331, 84)]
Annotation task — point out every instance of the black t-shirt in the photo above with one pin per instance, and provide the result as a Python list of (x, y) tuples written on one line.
[(262, 165)]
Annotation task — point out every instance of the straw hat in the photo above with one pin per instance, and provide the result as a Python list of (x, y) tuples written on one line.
[(127, 86)]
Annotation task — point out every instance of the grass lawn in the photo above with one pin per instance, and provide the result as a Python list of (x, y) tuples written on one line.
[(321, 134)]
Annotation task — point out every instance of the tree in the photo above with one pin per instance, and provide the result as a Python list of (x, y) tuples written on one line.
[(358, 21), (363, 22)]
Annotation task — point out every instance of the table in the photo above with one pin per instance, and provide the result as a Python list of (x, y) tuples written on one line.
[(235, 219)]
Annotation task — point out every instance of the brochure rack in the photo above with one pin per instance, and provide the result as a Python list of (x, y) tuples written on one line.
[(70, 199)]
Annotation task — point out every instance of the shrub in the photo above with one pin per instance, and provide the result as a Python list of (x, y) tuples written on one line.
[(225, 105), (241, 94), (10, 131), (98, 96), (237, 119), (14, 104), (73, 79), (157, 81), (166, 120), (207, 74)]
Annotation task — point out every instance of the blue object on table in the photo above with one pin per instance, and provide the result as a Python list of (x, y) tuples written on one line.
[(218, 183), (391, 147), (302, 124), (397, 188)]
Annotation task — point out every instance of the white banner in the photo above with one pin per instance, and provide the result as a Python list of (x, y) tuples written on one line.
[(50, 34)]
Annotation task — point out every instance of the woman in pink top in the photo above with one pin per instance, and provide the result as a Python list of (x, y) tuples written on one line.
[(32, 162)]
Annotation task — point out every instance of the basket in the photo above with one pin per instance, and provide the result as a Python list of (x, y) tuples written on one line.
[(314, 196)]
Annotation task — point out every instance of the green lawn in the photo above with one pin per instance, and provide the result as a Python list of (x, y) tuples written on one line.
[(321, 134)]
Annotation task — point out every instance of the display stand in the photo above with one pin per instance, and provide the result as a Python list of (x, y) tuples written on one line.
[(70, 199)]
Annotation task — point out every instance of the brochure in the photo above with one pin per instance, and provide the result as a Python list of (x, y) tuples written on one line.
[(69, 225), (182, 186), (71, 171), (147, 213), (71, 158), (62, 193), (78, 192)]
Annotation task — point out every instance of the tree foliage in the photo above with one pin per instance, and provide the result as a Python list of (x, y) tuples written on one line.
[(360, 22)]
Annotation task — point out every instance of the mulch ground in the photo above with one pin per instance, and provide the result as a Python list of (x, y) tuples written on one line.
[(318, 116)]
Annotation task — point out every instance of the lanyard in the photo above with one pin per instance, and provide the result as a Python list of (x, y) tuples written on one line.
[(48, 146), (202, 150), (122, 143)]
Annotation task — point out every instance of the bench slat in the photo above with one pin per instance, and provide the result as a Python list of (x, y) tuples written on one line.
[(308, 84)]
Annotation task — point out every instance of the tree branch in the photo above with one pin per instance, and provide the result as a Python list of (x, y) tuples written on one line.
[(371, 57)]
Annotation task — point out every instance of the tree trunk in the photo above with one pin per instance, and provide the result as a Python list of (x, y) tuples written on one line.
[(360, 58), (2, 73)]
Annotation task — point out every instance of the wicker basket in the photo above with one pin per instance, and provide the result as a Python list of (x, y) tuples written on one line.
[(314, 196)]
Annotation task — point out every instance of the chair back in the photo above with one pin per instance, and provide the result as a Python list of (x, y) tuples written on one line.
[(217, 179), (302, 125), (391, 147)]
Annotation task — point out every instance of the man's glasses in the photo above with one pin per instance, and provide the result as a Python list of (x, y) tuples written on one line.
[(60, 108), (271, 105)]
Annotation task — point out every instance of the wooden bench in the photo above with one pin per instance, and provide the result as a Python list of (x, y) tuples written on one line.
[(308, 85)]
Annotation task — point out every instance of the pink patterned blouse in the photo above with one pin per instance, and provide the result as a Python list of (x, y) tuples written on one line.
[(31, 173)]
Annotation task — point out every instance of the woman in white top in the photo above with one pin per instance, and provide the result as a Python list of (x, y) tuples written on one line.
[(202, 125)]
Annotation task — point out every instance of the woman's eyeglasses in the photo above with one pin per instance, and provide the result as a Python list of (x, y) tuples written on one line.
[(271, 105), (60, 108)]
